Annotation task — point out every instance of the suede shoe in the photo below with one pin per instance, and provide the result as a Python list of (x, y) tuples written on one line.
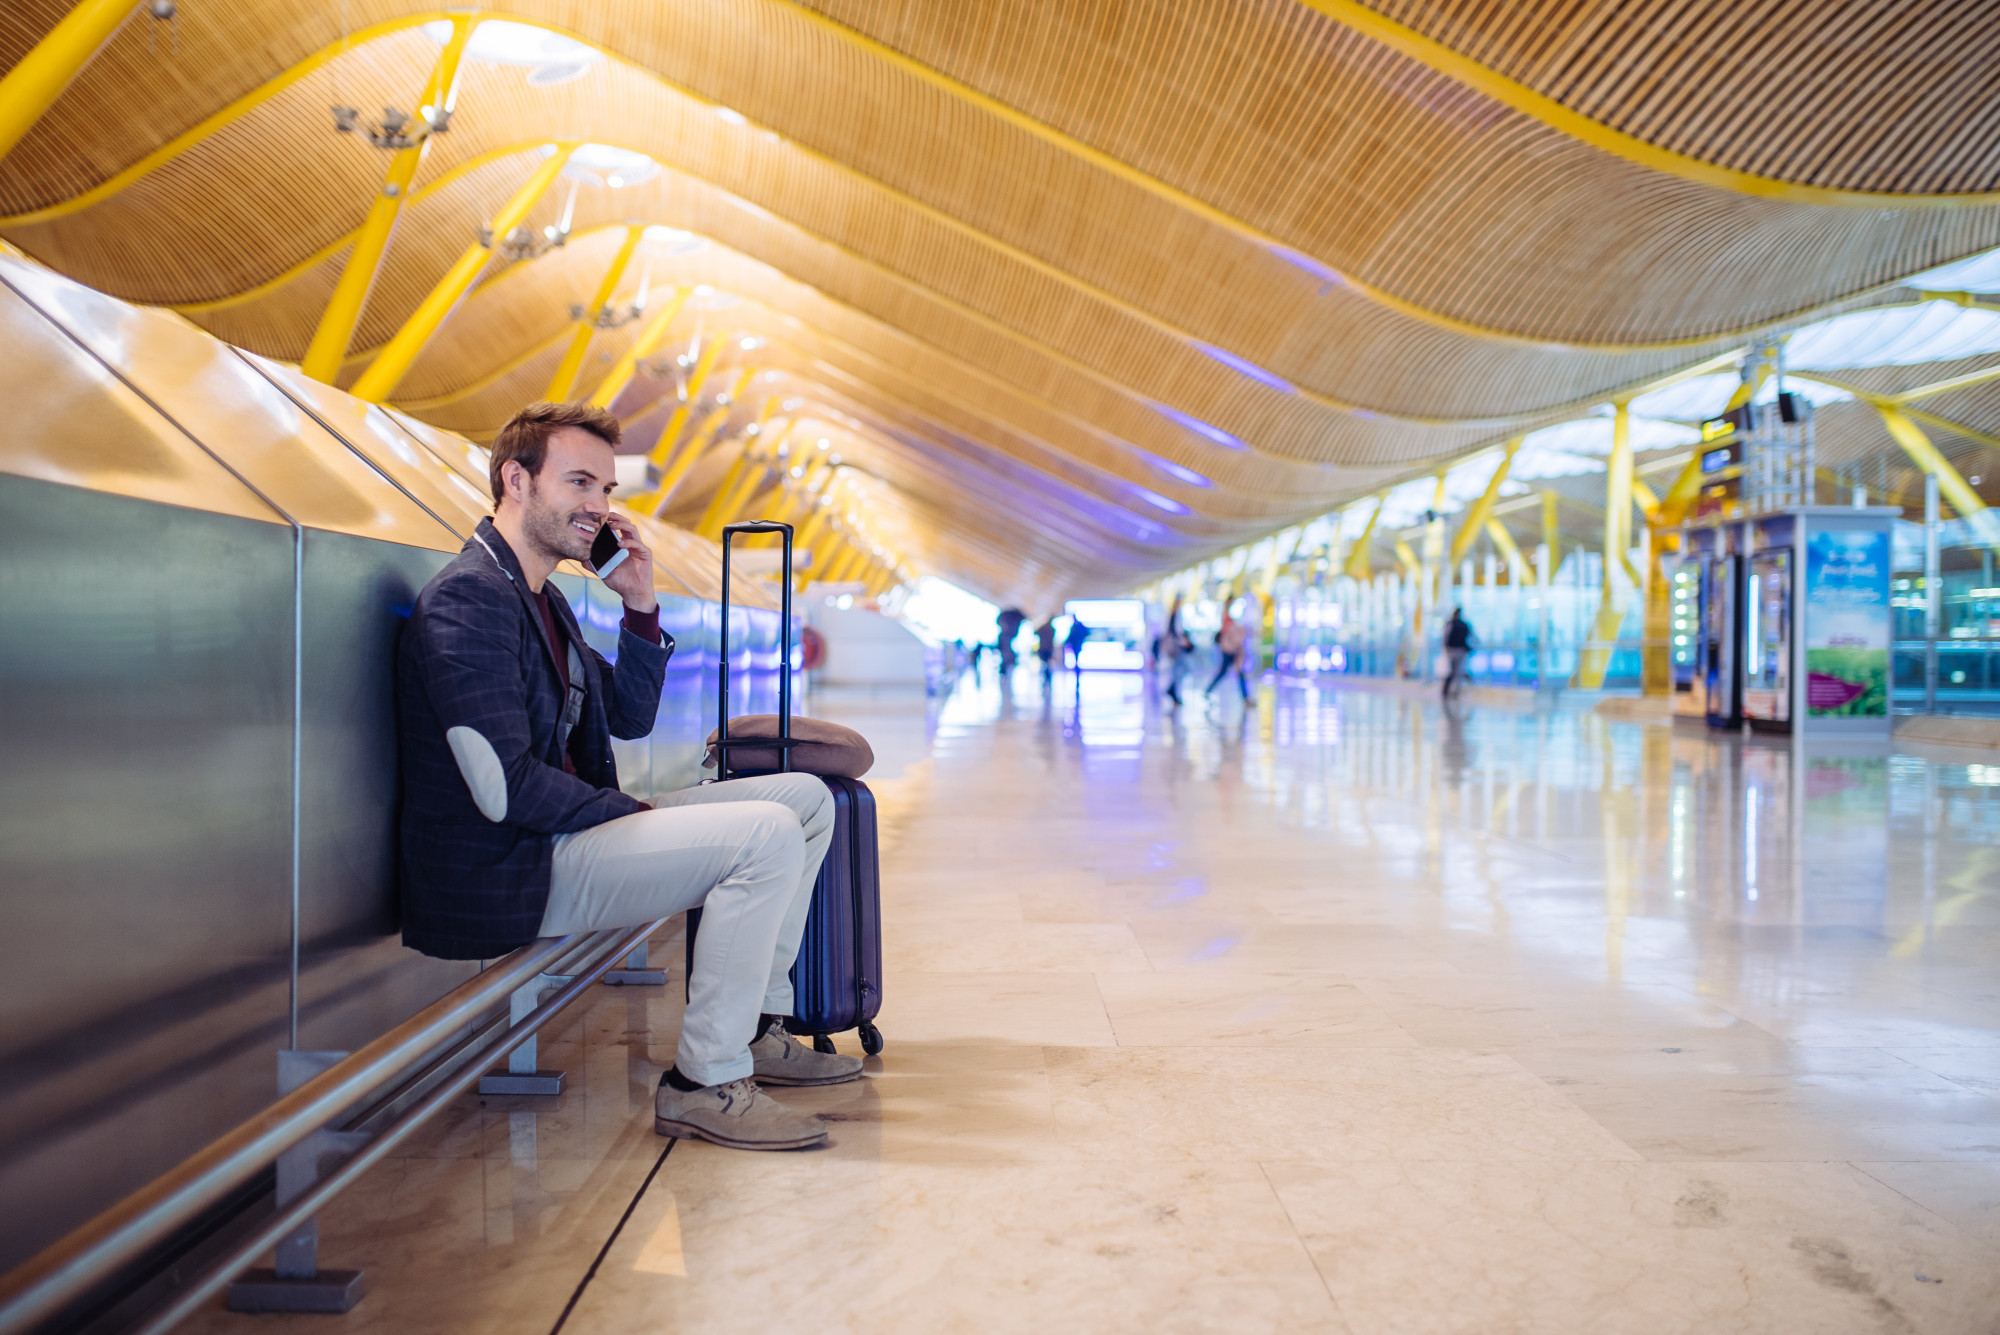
[(737, 1115), (783, 1060)]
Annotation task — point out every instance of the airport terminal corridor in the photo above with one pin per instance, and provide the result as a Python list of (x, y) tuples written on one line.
[(1335, 1010)]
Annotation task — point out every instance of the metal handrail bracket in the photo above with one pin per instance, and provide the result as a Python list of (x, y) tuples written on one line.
[(95, 1253)]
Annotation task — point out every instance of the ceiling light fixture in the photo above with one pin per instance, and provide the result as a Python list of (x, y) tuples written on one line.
[(396, 130)]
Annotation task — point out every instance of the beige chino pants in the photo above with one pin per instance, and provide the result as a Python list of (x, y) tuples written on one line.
[(746, 852)]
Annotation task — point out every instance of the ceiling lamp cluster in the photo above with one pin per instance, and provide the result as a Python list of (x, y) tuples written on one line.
[(396, 130)]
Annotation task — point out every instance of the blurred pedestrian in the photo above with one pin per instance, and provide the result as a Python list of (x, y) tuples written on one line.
[(1458, 642), (1232, 641), (1177, 646), (1073, 642)]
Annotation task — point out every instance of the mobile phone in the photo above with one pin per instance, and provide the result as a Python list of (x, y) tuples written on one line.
[(605, 553)]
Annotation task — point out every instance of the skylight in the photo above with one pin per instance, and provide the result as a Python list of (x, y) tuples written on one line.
[(602, 164), (499, 42), (1933, 331), (1976, 273)]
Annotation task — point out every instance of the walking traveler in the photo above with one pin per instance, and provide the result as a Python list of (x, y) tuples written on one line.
[(1045, 648), (1458, 640), (1074, 641), (513, 824), (1232, 642), (1178, 646), (1009, 623)]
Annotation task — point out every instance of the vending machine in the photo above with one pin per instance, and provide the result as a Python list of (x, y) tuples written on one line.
[(1720, 666), (1767, 641), (1794, 620)]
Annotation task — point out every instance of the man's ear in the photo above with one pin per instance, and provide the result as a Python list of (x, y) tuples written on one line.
[(513, 480)]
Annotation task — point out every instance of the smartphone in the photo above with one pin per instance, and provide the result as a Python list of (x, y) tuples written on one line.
[(605, 553)]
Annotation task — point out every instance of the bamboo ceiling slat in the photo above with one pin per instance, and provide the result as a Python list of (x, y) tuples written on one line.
[(915, 368), (1842, 93), (1027, 258), (1411, 145)]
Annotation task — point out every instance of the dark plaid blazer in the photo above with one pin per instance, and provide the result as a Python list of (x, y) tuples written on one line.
[(484, 790)]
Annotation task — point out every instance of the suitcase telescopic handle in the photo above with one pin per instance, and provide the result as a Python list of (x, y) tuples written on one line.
[(729, 531)]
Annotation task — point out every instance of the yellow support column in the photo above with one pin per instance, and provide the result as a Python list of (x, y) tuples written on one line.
[(696, 379), (564, 380), (1517, 564), (842, 568), (1482, 509), (696, 447), (1978, 517), (397, 356), (32, 86), (335, 331), (736, 490), (642, 347), (1357, 558), (1551, 536), (1595, 658)]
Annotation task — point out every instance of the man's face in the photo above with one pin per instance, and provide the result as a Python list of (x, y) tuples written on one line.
[(564, 505)]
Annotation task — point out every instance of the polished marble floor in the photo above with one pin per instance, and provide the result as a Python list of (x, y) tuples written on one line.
[(1329, 1012)]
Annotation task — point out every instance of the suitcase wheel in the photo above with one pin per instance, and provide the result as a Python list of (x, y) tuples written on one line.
[(871, 1039), (823, 1043)]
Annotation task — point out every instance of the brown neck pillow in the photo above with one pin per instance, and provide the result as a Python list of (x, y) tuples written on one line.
[(822, 747)]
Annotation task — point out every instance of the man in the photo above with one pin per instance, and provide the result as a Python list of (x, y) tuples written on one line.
[(1233, 643), (1074, 641), (513, 823), (1176, 645), (1045, 648), (1457, 648), (1008, 623)]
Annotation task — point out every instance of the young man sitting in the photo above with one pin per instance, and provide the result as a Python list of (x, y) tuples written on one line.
[(513, 823)]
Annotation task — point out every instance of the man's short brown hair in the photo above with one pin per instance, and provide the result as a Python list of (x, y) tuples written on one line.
[(525, 438)]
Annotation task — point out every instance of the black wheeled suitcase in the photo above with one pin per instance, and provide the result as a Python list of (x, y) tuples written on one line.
[(837, 977)]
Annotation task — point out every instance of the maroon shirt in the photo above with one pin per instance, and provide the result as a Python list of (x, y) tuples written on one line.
[(645, 625)]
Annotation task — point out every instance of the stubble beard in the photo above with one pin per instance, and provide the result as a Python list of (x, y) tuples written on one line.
[(548, 527)]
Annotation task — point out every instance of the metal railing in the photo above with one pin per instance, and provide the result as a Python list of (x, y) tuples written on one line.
[(383, 1092)]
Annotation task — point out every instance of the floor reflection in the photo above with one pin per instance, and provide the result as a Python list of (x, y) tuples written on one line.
[(1332, 1009)]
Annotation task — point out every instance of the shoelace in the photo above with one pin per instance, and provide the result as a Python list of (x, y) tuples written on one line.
[(744, 1089)]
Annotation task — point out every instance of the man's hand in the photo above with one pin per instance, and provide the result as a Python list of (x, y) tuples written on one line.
[(633, 579)]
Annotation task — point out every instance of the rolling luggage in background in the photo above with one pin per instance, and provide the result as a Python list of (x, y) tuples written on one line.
[(837, 977)]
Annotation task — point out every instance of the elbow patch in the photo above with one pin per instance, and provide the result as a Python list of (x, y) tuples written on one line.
[(479, 765)]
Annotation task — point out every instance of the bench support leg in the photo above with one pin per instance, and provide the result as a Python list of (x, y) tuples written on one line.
[(522, 1075), (296, 1283), (635, 973)]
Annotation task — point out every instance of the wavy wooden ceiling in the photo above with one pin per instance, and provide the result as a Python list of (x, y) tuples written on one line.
[(1102, 287)]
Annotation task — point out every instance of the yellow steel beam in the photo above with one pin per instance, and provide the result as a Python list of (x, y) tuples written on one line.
[(1408, 559), (1541, 107), (335, 330), (697, 378), (809, 532), (1672, 508), (1649, 504), (1957, 428), (1595, 657), (642, 347), (1978, 516), (1965, 381), (564, 380), (1551, 531), (397, 356), (1482, 509), (1357, 556), (1517, 564), (34, 84), (697, 446), (738, 487), (492, 377)]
